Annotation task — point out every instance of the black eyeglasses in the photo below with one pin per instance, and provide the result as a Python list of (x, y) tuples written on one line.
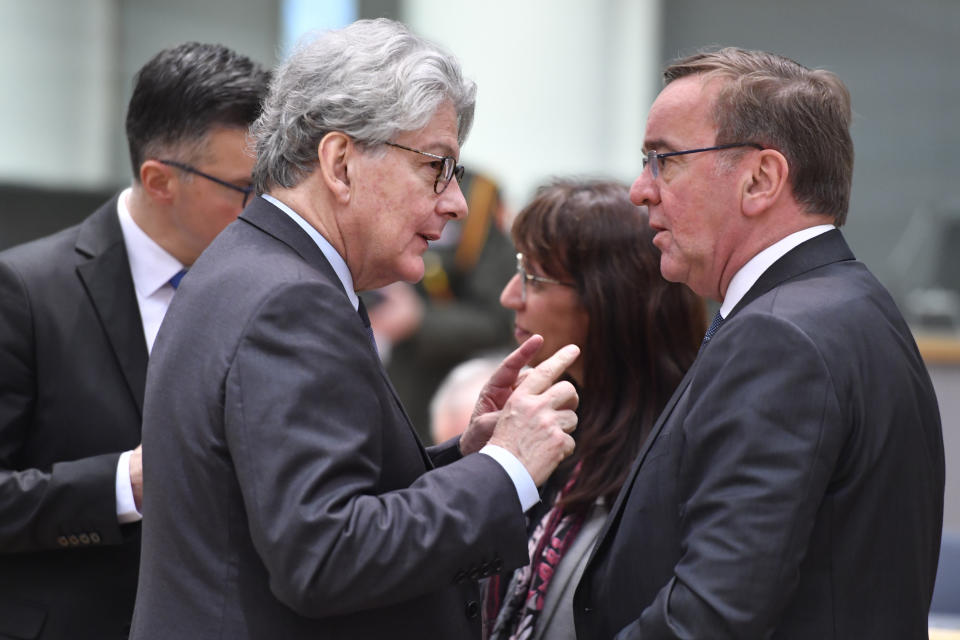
[(246, 191), (653, 158), (529, 277), (445, 172)]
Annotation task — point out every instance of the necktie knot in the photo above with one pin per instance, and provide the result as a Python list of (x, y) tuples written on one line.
[(177, 277), (714, 326)]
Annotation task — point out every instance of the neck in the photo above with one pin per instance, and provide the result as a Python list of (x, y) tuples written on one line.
[(764, 236), (313, 207), (155, 220)]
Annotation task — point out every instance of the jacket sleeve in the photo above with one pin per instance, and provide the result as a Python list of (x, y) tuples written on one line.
[(70, 504), (761, 439)]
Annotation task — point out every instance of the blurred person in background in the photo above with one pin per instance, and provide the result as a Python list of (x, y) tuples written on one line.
[(452, 405), (454, 312), (79, 311), (588, 274)]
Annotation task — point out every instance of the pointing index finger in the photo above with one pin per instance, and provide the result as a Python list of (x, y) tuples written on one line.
[(546, 373), (506, 374)]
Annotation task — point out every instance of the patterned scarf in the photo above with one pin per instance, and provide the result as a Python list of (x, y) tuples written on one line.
[(523, 601)]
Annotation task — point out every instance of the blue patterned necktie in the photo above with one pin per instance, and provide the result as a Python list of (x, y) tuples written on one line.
[(714, 326), (177, 277)]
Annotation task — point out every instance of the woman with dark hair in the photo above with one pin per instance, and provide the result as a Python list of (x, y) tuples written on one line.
[(589, 274)]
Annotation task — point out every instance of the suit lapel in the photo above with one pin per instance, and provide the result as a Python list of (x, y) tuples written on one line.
[(823, 249), (104, 269), (617, 510), (816, 252), (271, 220)]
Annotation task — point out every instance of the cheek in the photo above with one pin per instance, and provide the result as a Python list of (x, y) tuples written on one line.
[(218, 218)]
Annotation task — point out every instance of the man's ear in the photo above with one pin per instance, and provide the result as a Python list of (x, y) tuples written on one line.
[(769, 176), (159, 181), (335, 153)]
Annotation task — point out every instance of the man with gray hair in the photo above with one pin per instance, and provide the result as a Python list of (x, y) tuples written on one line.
[(287, 495)]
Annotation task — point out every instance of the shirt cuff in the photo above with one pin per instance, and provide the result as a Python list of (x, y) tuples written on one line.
[(126, 506), (526, 488)]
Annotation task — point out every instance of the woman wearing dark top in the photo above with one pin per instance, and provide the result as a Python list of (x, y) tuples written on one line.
[(588, 274)]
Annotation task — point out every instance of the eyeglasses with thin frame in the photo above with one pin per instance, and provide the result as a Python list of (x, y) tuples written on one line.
[(445, 172), (529, 277), (654, 158), (246, 191)]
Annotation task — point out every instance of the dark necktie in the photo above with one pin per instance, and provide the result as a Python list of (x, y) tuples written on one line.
[(362, 310), (714, 326), (177, 277)]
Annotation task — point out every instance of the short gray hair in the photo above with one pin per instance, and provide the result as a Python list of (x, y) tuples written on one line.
[(369, 80)]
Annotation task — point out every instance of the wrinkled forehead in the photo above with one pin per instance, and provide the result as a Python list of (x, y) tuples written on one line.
[(682, 115)]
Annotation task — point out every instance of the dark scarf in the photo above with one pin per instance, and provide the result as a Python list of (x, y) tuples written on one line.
[(516, 617)]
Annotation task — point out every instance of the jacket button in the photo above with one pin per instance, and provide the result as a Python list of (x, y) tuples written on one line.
[(95, 538), (74, 541), (84, 538), (63, 542), (472, 610)]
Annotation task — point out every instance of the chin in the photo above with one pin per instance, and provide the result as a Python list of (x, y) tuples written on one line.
[(411, 272), (669, 270)]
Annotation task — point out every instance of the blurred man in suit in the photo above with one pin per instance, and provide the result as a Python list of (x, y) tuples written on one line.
[(286, 492), (793, 486), (79, 311)]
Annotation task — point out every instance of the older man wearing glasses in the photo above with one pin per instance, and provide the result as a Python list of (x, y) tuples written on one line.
[(287, 494), (78, 315), (793, 486)]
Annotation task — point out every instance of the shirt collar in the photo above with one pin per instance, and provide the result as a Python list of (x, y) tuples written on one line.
[(335, 259), (749, 273), (150, 265)]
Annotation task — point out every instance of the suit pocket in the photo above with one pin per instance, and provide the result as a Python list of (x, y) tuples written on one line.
[(20, 620)]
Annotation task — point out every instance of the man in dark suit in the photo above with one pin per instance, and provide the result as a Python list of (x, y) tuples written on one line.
[(793, 486), (78, 313), (286, 492)]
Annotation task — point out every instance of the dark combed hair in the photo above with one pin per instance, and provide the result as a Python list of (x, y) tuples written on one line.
[(184, 92), (780, 104), (643, 332)]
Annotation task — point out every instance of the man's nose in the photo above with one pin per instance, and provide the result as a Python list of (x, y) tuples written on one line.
[(452, 201), (644, 190)]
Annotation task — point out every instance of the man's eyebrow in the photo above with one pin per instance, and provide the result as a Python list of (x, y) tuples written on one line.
[(657, 145), (442, 149)]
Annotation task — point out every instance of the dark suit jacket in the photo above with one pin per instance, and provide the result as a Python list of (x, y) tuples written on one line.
[(793, 486), (287, 495), (72, 366)]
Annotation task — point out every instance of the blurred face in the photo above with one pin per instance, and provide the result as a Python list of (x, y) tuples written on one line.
[(693, 206), (204, 207), (552, 310), (394, 212)]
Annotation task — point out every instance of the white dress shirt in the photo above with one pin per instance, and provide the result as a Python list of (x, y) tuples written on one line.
[(151, 268), (749, 273), (522, 482)]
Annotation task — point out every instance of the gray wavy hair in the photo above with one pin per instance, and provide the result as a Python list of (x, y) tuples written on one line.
[(369, 80)]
